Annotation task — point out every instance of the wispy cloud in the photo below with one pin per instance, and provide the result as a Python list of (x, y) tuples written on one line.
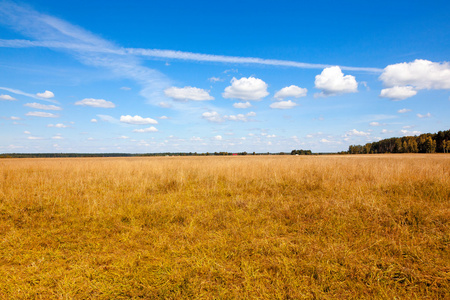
[(178, 55), (157, 53), (54, 33), (51, 32)]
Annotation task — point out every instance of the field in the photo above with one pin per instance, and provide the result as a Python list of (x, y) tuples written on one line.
[(247, 227)]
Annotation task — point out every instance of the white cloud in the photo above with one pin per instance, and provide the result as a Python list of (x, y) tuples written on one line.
[(291, 91), (35, 138), (242, 105), (333, 82), (94, 121), (149, 129), (215, 79), (398, 92), (407, 132), (283, 104), (42, 106), (271, 136), (374, 124), (427, 115), (218, 138), (355, 132), (59, 125), (27, 132), (196, 138), (46, 95), (420, 74), (188, 93), (164, 105), (41, 114), (19, 92), (325, 141), (123, 137), (240, 117), (246, 89), (164, 117), (96, 103), (125, 88), (15, 118), (217, 118), (235, 59), (212, 116), (7, 97), (137, 120), (403, 110), (386, 131), (57, 137)]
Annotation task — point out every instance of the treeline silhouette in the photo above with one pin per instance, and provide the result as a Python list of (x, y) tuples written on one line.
[(47, 155), (424, 143)]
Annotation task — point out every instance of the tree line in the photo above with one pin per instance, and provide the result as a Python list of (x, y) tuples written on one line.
[(425, 143)]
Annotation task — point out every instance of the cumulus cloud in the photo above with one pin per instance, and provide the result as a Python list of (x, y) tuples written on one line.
[(403, 110), (46, 95), (137, 120), (215, 117), (398, 92), (57, 137), (427, 115), (283, 105), (246, 89), (407, 132), (291, 91), (217, 138), (149, 129), (96, 103), (212, 116), (35, 138), (125, 88), (42, 106), (59, 125), (94, 121), (27, 132), (7, 98), (242, 105), (420, 74), (41, 114), (374, 124), (164, 117), (15, 118), (333, 82), (188, 93), (240, 117), (355, 132)]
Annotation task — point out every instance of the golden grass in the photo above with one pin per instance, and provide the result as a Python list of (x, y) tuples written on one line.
[(273, 227)]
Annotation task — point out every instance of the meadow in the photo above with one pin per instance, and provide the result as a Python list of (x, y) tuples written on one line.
[(246, 227)]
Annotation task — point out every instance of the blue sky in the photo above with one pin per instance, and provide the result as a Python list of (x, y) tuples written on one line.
[(205, 76)]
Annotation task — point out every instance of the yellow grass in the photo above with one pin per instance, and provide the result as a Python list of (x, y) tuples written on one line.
[(273, 227)]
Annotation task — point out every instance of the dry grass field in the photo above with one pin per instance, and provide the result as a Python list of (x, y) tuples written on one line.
[(255, 227)]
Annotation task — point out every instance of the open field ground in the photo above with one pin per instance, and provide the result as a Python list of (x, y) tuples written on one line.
[(267, 227)]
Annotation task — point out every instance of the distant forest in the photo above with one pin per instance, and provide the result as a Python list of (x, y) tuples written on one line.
[(424, 143)]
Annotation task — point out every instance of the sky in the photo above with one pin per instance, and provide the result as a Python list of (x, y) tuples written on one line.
[(211, 76)]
